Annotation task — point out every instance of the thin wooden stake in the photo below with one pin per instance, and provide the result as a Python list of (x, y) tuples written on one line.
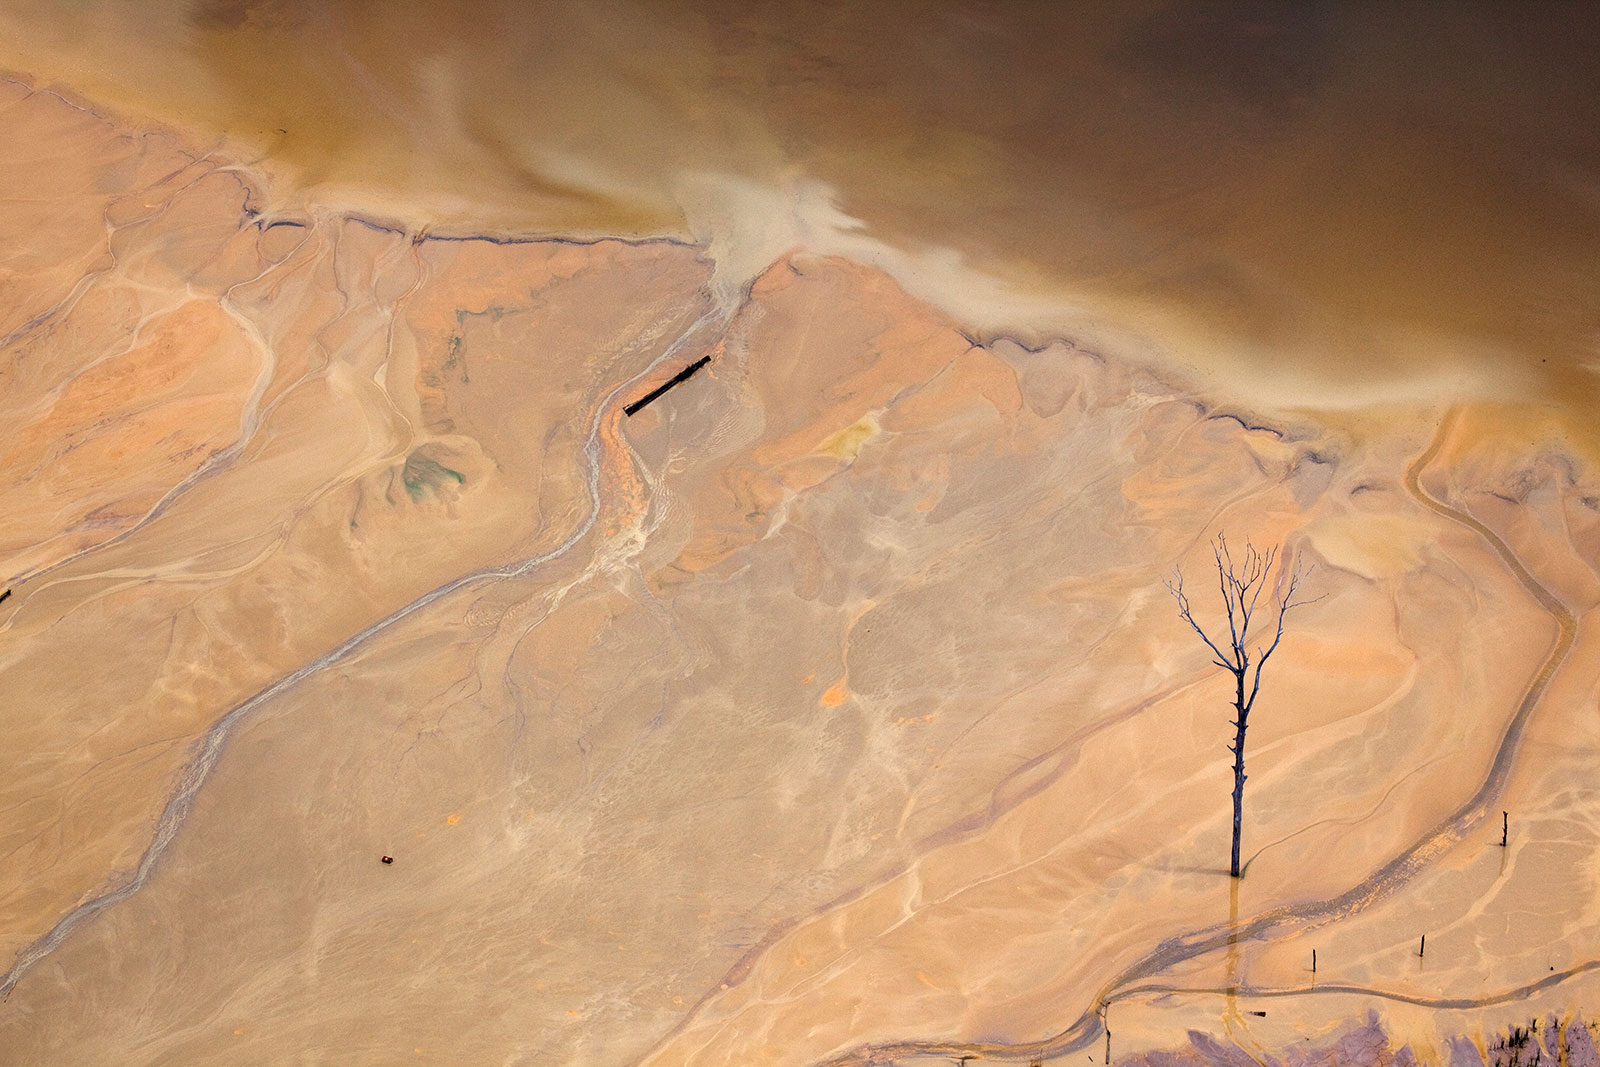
[(1422, 949), (1505, 827), (1313, 961)]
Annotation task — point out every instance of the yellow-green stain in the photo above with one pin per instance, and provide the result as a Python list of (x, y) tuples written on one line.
[(848, 442)]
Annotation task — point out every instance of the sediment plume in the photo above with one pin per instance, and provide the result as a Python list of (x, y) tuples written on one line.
[(1337, 209)]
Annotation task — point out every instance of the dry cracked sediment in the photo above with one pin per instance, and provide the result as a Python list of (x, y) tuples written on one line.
[(828, 709)]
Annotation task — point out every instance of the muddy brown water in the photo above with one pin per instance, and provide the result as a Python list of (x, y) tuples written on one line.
[(1334, 205)]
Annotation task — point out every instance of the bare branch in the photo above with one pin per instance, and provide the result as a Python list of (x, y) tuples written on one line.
[(1258, 579), (1256, 685), (1285, 602), (1300, 571), (1175, 587), (1219, 549)]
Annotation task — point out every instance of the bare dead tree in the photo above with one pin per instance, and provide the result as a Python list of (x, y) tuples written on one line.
[(1241, 583)]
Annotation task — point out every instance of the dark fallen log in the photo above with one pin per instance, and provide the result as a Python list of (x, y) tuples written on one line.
[(682, 376)]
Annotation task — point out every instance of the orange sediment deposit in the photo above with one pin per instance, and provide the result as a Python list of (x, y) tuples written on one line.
[(835, 694)]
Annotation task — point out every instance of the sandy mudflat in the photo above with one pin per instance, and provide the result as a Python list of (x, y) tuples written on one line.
[(829, 708)]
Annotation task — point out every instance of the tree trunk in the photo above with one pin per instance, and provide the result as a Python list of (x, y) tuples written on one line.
[(1241, 582), (1241, 721)]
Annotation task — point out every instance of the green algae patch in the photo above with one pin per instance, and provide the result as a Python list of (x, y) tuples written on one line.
[(422, 474)]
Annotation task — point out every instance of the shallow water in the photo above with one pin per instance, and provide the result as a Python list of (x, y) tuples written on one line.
[(1335, 205)]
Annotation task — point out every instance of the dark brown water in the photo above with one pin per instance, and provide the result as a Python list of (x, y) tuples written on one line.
[(1338, 204)]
